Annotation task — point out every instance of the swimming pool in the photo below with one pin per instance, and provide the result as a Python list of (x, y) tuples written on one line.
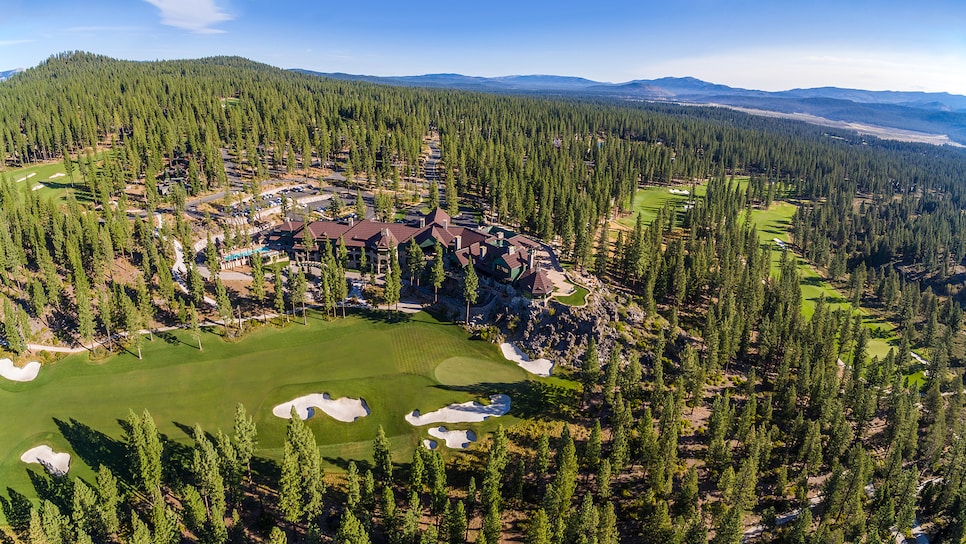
[(244, 253)]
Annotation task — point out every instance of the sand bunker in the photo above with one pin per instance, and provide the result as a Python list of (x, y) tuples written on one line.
[(56, 463), (58, 175), (25, 178), (467, 412), (39, 187), (679, 192), (458, 440), (343, 408), (540, 367), (17, 374), (429, 444)]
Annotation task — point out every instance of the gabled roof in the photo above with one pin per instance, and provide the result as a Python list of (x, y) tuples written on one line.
[(438, 217), (436, 233), (385, 239), (537, 283)]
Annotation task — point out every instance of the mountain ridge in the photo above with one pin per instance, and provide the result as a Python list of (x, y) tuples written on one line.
[(932, 114)]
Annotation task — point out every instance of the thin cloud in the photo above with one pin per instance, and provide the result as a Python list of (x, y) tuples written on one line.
[(82, 29), (5, 43), (194, 15)]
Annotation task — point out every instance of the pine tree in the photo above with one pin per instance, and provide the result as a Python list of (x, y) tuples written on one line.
[(470, 287), (108, 500), (456, 524), (279, 293), (382, 456), (415, 261), (539, 530), (351, 531), (393, 287), (437, 272), (590, 366), (245, 438)]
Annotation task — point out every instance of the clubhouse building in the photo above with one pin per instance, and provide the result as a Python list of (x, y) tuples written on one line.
[(497, 253)]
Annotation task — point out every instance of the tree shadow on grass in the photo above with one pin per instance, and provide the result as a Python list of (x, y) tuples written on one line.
[(57, 489), (382, 316), (172, 339), (529, 399), (16, 510), (96, 448)]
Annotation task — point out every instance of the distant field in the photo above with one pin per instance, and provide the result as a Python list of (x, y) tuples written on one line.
[(420, 363)]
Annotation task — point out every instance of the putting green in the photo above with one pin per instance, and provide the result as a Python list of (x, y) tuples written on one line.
[(469, 371), (417, 363)]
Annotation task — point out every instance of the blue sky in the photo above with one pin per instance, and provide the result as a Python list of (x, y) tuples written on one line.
[(770, 45)]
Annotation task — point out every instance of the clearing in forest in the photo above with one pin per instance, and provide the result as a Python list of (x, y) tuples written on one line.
[(413, 363)]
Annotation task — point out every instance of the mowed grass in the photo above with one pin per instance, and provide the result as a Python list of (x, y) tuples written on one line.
[(775, 222), (648, 201), (415, 363), (577, 298), (42, 175)]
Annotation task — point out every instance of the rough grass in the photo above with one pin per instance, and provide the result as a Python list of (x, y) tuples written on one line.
[(415, 363)]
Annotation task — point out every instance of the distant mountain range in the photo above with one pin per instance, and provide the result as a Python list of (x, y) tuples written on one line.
[(914, 116), (7, 74)]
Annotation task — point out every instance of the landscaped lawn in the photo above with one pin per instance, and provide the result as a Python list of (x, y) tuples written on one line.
[(414, 363), (577, 298)]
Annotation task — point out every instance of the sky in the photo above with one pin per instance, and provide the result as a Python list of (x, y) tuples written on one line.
[(758, 44)]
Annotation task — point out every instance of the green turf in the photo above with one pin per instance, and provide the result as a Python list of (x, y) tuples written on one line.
[(416, 363), (775, 222), (49, 188), (577, 298), (916, 379), (648, 201)]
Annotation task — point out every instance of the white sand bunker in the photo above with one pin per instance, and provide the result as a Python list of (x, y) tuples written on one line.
[(467, 412), (17, 374), (678, 192), (58, 175), (39, 187), (458, 440), (56, 463), (540, 367), (343, 408), (28, 176), (429, 444)]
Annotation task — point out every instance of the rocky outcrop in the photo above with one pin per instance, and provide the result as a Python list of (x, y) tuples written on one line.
[(561, 333)]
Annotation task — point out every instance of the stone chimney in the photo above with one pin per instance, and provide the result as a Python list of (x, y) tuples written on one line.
[(532, 259), (422, 222), (482, 250), (445, 223), (458, 242)]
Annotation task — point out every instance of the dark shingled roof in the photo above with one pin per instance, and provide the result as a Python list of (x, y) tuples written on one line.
[(537, 283), (438, 217)]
